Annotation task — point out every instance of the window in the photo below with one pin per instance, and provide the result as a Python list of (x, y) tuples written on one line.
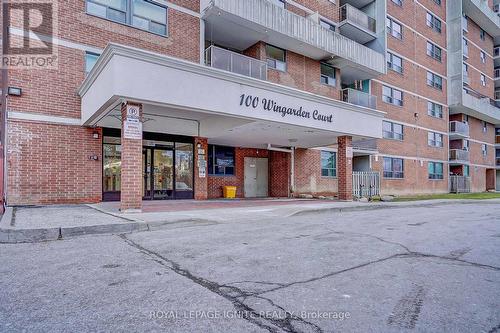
[(466, 145), (392, 96), (466, 118), (433, 22), (392, 130), (327, 74), (435, 139), (90, 60), (483, 57), (328, 164), (276, 58), (434, 110), (484, 149), (394, 62), (279, 3), (482, 34), (438, 2), (220, 160), (327, 25), (483, 80), (394, 28), (465, 47), (434, 80), (435, 170), (465, 24), (434, 51), (466, 171), (393, 167), (485, 126), (141, 14), (398, 2)]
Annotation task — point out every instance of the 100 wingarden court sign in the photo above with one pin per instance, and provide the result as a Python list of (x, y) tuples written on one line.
[(268, 104)]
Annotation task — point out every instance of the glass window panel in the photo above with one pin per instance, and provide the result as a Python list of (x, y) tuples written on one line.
[(116, 15), (111, 167), (150, 11), (117, 4), (140, 23), (90, 60), (96, 9), (160, 29), (183, 166), (275, 53)]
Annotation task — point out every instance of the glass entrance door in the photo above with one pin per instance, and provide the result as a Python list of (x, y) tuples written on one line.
[(158, 167)]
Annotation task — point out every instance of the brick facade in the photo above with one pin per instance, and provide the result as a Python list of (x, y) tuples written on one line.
[(131, 166), (33, 144)]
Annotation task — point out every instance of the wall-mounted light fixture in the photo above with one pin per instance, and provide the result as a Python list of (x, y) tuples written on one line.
[(14, 91), (95, 135)]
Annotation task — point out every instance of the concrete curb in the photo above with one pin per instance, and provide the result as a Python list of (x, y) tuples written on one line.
[(8, 234), (395, 205)]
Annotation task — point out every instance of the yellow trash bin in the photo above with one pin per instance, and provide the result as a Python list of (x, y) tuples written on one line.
[(229, 192)]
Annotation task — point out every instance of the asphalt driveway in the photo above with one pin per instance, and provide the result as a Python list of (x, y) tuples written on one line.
[(428, 269)]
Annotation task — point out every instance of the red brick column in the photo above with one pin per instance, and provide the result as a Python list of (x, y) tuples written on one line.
[(344, 167), (200, 183), (131, 165)]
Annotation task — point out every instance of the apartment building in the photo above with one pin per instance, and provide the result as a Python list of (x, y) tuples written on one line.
[(176, 99)]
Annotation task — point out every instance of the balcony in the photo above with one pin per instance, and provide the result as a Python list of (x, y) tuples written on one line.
[(477, 106), (360, 98), (239, 24), (356, 25), (458, 130), (459, 156), (365, 147), (236, 63), (481, 13)]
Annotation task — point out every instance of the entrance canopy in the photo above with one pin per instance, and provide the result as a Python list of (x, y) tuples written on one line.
[(181, 97)]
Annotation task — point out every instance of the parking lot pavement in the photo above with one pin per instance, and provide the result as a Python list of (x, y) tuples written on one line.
[(430, 269)]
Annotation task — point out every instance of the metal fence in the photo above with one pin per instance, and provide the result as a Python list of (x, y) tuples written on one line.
[(365, 183), (459, 184)]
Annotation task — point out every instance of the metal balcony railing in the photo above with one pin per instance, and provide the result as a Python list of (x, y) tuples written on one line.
[(234, 62), (368, 145), (263, 15), (361, 98), (357, 17), (459, 155), (458, 127)]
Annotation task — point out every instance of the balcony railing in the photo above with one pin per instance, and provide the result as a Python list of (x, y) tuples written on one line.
[(497, 95), (361, 98), (368, 145), (497, 161), (309, 37), (234, 62), (459, 155), (460, 128), (357, 17)]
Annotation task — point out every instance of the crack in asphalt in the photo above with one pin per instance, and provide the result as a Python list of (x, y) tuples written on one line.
[(407, 254), (232, 294)]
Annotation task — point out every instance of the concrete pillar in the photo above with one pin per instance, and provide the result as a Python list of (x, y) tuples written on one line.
[(200, 163), (344, 167), (131, 158)]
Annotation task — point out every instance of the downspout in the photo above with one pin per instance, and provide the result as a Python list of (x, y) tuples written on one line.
[(3, 101)]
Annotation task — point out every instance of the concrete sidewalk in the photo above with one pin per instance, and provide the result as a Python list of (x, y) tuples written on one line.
[(44, 223)]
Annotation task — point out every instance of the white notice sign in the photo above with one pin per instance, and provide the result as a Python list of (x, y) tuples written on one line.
[(348, 152), (132, 129)]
